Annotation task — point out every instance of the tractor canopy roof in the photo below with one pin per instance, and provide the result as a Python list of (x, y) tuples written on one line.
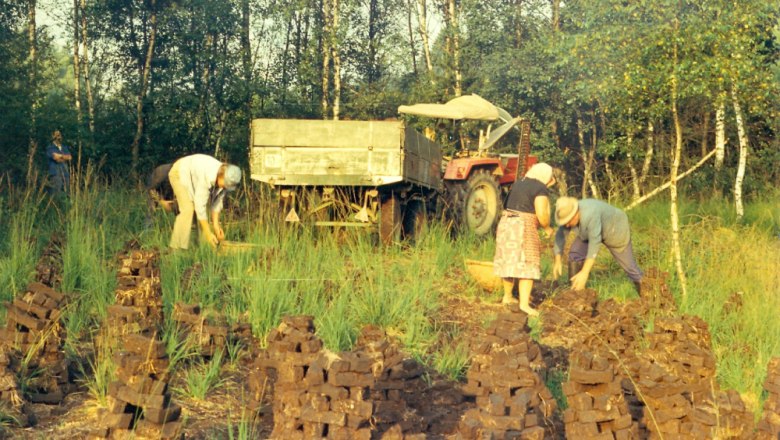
[(462, 107), (468, 107)]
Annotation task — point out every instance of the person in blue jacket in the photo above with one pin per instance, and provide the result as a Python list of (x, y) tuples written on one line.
[(58, 156)]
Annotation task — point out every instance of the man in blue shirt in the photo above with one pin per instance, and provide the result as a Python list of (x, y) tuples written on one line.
[(58, 157), (593, 223)]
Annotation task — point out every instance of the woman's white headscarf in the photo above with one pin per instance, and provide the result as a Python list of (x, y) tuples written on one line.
[(541, 172)]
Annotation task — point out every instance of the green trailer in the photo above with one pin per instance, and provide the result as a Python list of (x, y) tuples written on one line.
[(380, 174)]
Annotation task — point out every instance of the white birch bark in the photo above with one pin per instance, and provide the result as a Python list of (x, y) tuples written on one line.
[(676, 153), (648, 153), (743, 152), (720, 131)]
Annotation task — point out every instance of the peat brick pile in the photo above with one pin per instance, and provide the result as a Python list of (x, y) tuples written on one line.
[(208, 333), (597, 409), (33, 330), (682, 347), (618, 325), (139, 401), (11, 402), (511, 399), (668, 410), (360, 394), (565, 312), (769, 426), (138, 307), (48, 270)]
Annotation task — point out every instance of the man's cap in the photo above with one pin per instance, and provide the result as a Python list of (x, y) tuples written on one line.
[(565, 210), (232, 177)]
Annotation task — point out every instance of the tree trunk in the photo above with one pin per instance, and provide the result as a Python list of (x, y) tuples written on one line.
[(630, 157), (720, 131), (455, 31), (555, 5), (594, 189), (677, 152), (85, 70), (325, 58), (583, 155), (705, 133), (680, 176), (246, 61), (412, 43), (517, 25), (743, 151), (422, 19), (32, 59), (77, 76), (334, 47), (648, 153), (139, 108)]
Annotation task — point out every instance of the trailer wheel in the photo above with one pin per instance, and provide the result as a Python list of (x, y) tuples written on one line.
[(475, 204), (390, 219), (414, 219)]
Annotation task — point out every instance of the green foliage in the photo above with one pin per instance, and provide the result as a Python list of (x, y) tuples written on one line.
[(452, 360), (202, 377)]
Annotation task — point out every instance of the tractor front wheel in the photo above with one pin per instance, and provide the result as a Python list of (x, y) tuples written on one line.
[(475, 203)]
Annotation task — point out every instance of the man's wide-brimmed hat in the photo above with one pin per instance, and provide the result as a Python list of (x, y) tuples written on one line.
[(565, 210)]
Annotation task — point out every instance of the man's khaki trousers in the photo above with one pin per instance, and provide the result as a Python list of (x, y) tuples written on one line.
[(182, 227)]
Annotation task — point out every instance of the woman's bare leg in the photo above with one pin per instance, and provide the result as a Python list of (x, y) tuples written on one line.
[(524, 289), (509, 284)]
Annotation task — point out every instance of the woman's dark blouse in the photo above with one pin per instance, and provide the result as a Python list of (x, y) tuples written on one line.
[(522, 195)]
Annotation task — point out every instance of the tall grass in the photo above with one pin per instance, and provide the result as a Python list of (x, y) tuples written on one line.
[(21, 211), (346, 281)]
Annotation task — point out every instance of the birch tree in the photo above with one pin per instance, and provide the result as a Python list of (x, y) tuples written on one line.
[(143, 86)]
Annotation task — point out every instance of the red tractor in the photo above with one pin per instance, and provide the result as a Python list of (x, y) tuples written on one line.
[(475, 180)]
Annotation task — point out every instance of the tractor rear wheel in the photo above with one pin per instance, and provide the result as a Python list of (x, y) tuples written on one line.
[(475, 204), (414, 218)]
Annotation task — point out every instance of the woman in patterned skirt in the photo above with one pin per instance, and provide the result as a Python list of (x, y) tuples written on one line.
[(518, 248)]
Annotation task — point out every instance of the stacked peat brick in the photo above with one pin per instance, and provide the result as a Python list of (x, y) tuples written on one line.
[(351, 395), (674, 387), (512, 401), (48, 270), (563, 316), (139, 400), (138, 306), (34, 331), (769, 426), (211, 333), (11, 402), (597, 409)]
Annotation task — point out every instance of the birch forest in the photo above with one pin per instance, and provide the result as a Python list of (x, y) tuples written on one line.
[(625, 97)]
